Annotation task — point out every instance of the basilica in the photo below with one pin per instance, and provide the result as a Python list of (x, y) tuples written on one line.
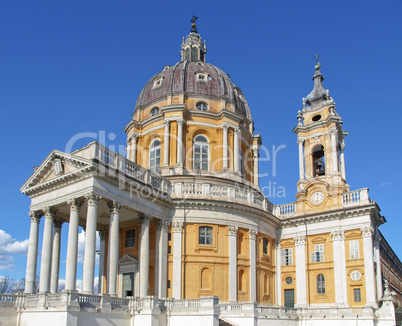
[(186, 234)]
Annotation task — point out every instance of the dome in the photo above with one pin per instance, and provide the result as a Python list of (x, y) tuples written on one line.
[(194, 79)]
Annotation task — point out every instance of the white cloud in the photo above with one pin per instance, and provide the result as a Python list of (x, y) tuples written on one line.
[(81, 246), (8, 247), (384, 184)]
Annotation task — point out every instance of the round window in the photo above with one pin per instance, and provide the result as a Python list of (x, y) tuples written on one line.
[(355, 276), (202, 106), (289, 280), (316, 118)]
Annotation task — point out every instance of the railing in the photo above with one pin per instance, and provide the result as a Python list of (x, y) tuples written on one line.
[(119, 163), (357, 197), (172, 304), (219, 191), (8, 299), (285, 210), (122, 303), (89, 300)]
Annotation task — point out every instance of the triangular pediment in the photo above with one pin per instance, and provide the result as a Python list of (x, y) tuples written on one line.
[(128, 259), (55, 167)]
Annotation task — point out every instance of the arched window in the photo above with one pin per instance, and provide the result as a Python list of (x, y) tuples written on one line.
[(320, 284), (202, 106), (194, 54), (205, 279), (187, 58), (319, 160), (155, 156), (200, 153), (205, 235), (154, 111), (241, 161), (242, 280)]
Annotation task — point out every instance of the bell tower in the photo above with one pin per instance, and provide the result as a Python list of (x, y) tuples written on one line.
[(321, 149)]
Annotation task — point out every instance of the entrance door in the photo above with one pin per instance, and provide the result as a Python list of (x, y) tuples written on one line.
[(290, 298), (128, 285)]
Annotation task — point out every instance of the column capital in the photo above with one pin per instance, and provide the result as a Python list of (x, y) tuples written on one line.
[(58, 224), (277, 244), (300, 140), (163, 225), (49, 212), (300, 240), (133, 136), (367, 231), (166, 122), (255, 152), (342, 146), (180, 122), (92, 198), (225, 126), (232, 229), (333, 131), (253, 234), (114, 206), (102, 234), (35, 216), (145, 219), (178, 227), (75, 204), (236, 130), (338, 235)]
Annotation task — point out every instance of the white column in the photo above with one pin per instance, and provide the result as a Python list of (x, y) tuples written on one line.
[(367, 234), (232, 262), (144, 255), (377, 246), (301, 158), (180, 124), (225, 128), (236, 156), (54, 282), (256, 171), (301, 280), (177, 253), (334, 151), (161, 259), (253, 272), (114, 242), (72, 244), (278, 271), (101, 273), (338, 244), (166, 143), (32, 256), (46, 261), (342, 158), (90, 243)]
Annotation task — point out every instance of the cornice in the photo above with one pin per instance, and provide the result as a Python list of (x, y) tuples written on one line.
[(329, 216), (223, 206)]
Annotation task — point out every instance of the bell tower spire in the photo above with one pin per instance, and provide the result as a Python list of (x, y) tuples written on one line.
[(192, 48), (321, 143)]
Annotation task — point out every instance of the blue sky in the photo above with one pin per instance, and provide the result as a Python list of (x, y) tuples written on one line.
[(78, 66)]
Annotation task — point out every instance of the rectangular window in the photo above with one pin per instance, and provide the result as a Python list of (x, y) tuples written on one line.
[(130, 238), (265, 246), (357, 295), (205, 235), (169, 249), (286, 257), (169, 236), (354, 249), (168, 284), (318, 255)]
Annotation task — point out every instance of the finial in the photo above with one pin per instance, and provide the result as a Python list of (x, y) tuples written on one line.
[(193, 25), (317, 63), (299, 117), (304, 102)]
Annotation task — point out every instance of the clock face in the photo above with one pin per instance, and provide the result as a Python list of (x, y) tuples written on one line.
[(317, 197)]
